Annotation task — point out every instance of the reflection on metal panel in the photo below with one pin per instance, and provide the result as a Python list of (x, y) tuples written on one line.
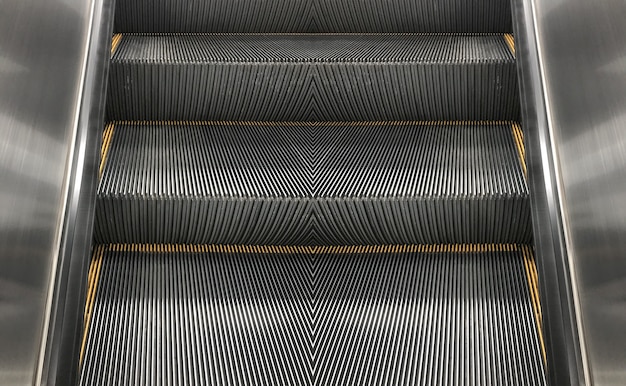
[(583, 49), (42, 56)]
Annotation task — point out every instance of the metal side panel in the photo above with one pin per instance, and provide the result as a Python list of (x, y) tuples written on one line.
[(52, 72), (573, 82), (401, 315)]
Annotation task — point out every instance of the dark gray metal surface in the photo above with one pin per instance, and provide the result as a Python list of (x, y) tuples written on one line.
[(444, 317), (312, 77), (315, 183), (583, 53), (47, 159), (363, 16), (196, 314)]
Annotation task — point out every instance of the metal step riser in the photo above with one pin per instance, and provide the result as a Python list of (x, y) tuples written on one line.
[(308, 78), (358, 16)]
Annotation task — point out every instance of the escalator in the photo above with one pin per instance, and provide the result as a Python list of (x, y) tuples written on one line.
[(313, 193)]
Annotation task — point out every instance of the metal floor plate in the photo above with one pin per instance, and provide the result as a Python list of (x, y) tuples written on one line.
[(205, 315)]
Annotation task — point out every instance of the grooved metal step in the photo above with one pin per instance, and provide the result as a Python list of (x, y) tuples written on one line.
[(205, 315), (313, 16), (312, 183), (300, 77)]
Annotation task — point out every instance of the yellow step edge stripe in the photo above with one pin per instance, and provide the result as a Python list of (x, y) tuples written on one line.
[(313, 34), (277, 249), (518, 135), (107, 136), (354, 123), (533, 287), (117, 38), (92, 286), (510, 41)]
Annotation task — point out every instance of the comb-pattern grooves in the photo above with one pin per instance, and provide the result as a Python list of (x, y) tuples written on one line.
[(313, 183), (313, 78), (271, 172), (444, 318), (362, 16)]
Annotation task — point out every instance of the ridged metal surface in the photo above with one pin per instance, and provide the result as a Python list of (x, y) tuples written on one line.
[(305, 183), (450, 316), (313, 78), (324, 48), (313, 16)]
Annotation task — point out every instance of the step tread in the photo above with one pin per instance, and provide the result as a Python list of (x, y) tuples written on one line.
[(300, 161), (428, 318), (313, 48)]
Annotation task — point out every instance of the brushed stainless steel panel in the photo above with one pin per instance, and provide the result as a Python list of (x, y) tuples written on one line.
[(582, 45), (43, 47)]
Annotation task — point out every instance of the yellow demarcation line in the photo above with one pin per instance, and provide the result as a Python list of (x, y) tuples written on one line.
[(510, 42), (107, 136), (92, 286), (354, 123), (434, 248), (117, 38), (316, 33), (533, 287), (518, 135), (269, 249)]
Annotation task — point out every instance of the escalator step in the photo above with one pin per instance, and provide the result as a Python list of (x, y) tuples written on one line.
[(254, 16), (312, 183), (313, 78), (425, 315)]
